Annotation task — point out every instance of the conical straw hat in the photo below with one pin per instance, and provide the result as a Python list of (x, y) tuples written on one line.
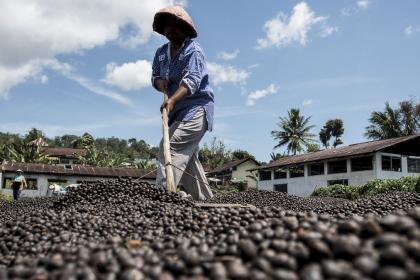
[(179, 13)]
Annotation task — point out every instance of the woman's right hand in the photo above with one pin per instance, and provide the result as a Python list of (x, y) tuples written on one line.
[(161, 85)]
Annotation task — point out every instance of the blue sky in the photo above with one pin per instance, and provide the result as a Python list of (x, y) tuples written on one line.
[(69, 67)]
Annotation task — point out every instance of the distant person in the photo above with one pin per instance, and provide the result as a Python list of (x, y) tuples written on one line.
[(18, 183), (180, 68)]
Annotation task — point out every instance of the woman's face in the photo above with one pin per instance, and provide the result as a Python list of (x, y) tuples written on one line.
[(174, 30)]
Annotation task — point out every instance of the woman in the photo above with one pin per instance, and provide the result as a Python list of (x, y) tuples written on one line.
[(18, 183), (179, 67)]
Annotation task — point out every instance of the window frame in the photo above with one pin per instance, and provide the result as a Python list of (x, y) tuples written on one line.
[(319, 164), (260, 177), (280, 171), (391, 162), (417, 168), (28, 183), (329, 171), (359, 158), (297, 167), (280, 186)]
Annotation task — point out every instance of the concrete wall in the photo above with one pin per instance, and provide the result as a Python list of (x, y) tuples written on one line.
[(42, 182), (304, 186), (242, 173)]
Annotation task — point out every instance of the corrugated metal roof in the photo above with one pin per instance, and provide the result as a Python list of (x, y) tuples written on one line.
[(77, 170), (351, 150)]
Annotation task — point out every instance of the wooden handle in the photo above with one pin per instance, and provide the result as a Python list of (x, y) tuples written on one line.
[(170, 183)]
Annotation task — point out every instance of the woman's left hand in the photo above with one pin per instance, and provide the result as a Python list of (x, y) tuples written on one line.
[(168, 104)]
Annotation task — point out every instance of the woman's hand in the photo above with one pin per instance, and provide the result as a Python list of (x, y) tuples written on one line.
[(161, 85), (168, 104)]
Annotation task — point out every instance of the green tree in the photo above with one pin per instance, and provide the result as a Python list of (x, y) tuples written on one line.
[(33, 134), (20, 151), (294, 132), (332, 128), (276, 156), (311, 148), (402, 121), (214, 154), (241, 154), (325, 136)]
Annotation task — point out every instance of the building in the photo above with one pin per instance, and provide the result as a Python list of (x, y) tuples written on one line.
[(236, 171), (40, 176), (350, 165), (63, 155)]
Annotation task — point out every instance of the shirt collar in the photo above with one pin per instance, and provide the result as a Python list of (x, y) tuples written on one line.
[(169, 48)]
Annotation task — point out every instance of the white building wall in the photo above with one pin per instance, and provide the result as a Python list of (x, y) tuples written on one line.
[(304, 186), (382, 174)]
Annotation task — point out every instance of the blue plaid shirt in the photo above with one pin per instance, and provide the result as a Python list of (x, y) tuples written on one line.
[(188, 67)]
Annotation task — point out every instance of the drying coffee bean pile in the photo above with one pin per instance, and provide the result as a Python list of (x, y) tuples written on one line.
[(10, 211), (380, 205), (129, 230), (261, 198)]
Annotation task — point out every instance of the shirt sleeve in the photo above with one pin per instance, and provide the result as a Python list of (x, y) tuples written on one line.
[(194, 71), (155, 69)]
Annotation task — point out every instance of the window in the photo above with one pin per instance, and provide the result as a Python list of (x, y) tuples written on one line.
[(64, 161), (391, 163), (413, 165), (339, 166), (57, 181), (297, 171), (316, 169), (32, 184), (280, 188), (338, 182), (280, 174), (362, 163), (265, 175)]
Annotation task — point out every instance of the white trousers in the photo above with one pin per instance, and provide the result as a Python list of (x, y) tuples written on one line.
[(184, 138)]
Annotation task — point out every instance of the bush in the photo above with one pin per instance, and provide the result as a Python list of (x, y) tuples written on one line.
[(338, 191), (6, 197), (418, 185), (371, 188)]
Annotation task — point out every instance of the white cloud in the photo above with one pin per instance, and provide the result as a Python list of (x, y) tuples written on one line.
[(410, 30), (258, 94), (220, 74), (129, 76), (282, 30), (328, 30), (363, 4), (228, 56), (36, 30), (307, 102), (360, 5)]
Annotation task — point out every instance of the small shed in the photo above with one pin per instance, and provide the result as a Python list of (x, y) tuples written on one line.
[(235, 171)]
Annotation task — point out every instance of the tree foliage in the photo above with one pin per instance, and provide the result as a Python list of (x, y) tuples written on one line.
[(215, 154), (294, 132), (111, 152), (401, 121), (241, 154), (333, 128)]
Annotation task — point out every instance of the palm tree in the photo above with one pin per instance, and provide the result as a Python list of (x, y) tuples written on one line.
[(325, 136), (294, 132), (385, 124), (337, 129)]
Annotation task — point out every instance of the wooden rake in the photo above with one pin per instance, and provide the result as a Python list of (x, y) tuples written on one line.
[(170, 182)]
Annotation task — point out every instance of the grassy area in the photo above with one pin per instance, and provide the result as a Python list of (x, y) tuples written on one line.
[(371, 188), (6, 197)]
